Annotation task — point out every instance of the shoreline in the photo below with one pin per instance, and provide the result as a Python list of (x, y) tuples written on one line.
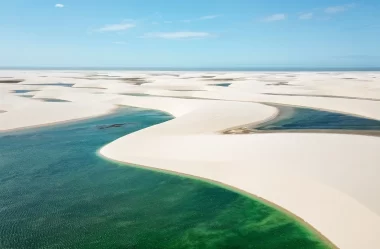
[(176, 170), (288, 112), (234, 189), (69, 121), (302, 222), (281, 168), (55, 124)]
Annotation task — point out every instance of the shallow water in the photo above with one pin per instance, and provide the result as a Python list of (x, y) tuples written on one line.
[(23, 91), (222, 84), (137, 94), (324, 96), (26, 96), (297, 118), (55, 192), (52, 100)]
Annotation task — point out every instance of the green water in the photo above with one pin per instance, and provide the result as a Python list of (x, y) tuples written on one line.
[(55, 192)]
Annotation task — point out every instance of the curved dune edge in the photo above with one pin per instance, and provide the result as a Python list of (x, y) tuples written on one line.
[(58, 121), (231, 188), (30, 113), (336, 210), (252, 128), (328, 180)]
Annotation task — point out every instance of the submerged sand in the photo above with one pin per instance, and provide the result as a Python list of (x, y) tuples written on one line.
[(327, 180)]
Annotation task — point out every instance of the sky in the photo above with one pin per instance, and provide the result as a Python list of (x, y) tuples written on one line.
[(196, 33)]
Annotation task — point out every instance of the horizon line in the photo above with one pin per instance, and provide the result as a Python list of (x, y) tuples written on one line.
[(162, 68)]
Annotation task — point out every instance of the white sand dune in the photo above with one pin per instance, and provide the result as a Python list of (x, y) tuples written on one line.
[(24, 112), (328, 180)]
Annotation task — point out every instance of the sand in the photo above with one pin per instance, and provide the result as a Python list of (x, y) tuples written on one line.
[(328, 180)]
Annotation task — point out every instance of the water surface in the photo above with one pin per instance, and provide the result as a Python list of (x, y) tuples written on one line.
[(55, 192), (52, 100), (298, 118), (302, 119), (23, 91)]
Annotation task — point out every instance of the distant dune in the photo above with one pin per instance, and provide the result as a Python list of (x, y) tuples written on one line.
[(330, 181)]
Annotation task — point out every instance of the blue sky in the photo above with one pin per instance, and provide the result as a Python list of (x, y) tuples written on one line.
[(197, 33)]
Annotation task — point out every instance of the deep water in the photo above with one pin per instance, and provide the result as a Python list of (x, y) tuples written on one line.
[(55, 192)]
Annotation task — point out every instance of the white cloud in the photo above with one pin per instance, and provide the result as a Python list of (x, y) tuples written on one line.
[(116, 27), (202, 18), (59, 5), (306, 16), (208, 17), (119, 42), (275, 18), (177, 35), (338, 8)]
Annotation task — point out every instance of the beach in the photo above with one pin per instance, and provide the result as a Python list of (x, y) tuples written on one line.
[(327, 180)]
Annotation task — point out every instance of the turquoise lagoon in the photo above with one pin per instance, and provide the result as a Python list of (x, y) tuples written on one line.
[(55, 192)]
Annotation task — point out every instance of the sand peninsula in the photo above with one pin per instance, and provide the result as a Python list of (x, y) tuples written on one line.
[(328, 180)]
